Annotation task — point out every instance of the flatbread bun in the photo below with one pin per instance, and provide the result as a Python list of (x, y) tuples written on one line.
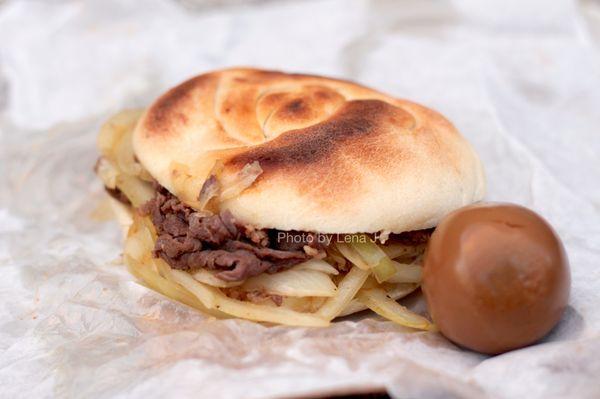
[(336, 157)]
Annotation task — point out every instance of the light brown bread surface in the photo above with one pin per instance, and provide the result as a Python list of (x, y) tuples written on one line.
[(336, 157)]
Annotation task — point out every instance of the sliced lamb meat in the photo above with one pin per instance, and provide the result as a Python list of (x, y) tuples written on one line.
[(211, 229), (189, 241), (174, 225), (174, 247)]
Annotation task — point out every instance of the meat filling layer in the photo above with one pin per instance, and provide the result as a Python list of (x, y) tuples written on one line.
[(189, 240)]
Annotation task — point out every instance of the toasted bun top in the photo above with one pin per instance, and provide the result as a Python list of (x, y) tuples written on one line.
[(336, 157)]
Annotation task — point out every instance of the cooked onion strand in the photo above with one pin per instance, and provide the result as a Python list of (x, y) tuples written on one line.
[(347, 289), (379, 302)]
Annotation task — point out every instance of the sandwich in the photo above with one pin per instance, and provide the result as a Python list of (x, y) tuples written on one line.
[(283, 198)]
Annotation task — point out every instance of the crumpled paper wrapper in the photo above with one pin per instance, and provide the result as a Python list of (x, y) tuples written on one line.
[(520, 79)]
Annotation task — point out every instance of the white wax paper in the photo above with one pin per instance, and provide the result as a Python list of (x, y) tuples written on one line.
[(520, 79)]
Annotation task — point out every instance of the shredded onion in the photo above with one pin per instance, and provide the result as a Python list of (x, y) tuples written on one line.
[(395, 291), (209, 277), (374, 257), (154, 281), (396, 250), (269, 314), (201, 291), (400, 290), (406, 273), (213, 298), (304, 304), (122, 213), (347, 289), (293, 283), (135, 248), (379, 302), (210, 189), (148, 225), (136, 190), (317, 265), (241, 181), (107, 172), (114, 129), (350, 253), (118, 167), (125, 157)]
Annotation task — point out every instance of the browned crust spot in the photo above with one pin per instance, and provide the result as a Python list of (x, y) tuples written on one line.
[(353, 121), (169, 107)]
